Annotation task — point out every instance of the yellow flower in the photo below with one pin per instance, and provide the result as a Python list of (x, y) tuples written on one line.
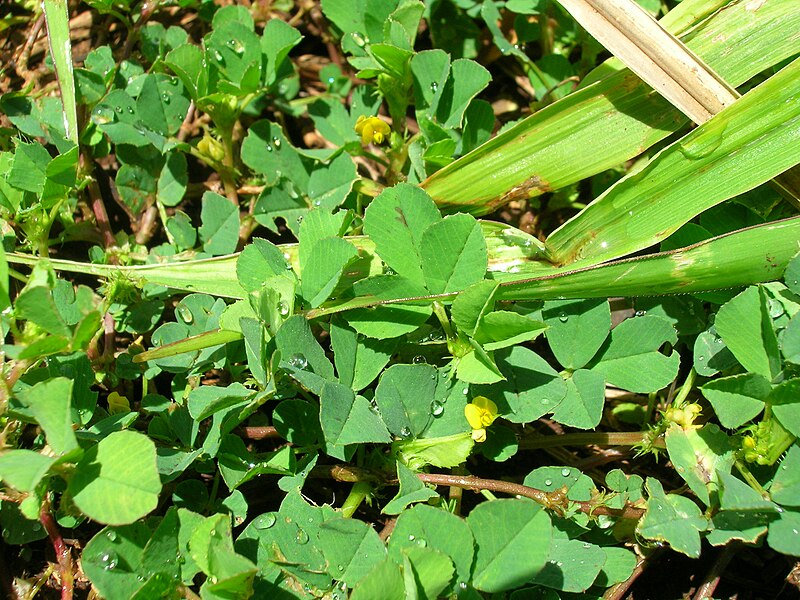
[(480, 414), (372, 130), (117, 404), (684, 415)]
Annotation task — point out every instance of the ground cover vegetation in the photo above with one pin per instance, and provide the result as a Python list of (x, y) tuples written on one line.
[(396, 299)]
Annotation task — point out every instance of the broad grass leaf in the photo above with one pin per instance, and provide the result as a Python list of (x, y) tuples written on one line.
[(513, 538), (116, 482)]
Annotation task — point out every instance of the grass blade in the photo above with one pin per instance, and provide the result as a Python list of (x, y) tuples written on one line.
[(611, 120), (57, 18)]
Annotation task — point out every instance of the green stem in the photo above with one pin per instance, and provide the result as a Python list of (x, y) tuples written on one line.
[(622, 438), (750, 479), (687, 387), (358, 493)]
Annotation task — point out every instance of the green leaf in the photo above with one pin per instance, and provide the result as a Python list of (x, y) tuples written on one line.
[(112, 557), (174, 179), (471, 305), (467, 79), (737, 399), (206, 400), (582, 406), (792, 274), (785, 403), (266, 151), (698, 454), (427, 570), (189, 64), (229, 574), (28, 171), (116, 482), (531, 389), (359, 360), (785, 488), (513, 538), (711, 355), (385, 581), (790, 341), (162, 104), (327, 261), (347, 418), (438, 530), (672, 519), (630, 359), (572, 566), (24, 469), (36, 304), (478, 366), (579, 487), (502, 328), (392, 320), (395, 222), (258, 261), (404, 395), (745, 326), (297, 344), (619, 565), (782, 537), (50, 403), (576, 329), (352, 549), (277, 40), (445, 452), (411, 490), (744, 513), (219, 230), (453, 253)]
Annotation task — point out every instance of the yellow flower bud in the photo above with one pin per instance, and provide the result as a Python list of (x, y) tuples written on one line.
[(372, 130), (117, 404)]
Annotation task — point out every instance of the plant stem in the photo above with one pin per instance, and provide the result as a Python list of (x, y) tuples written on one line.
[(359, 491), (621, 438), (62, 551), (687, 387)]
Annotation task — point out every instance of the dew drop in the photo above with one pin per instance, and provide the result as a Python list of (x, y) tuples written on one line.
[(165, 98), (269, 148), (640, 313), (108, 560), (421, 543), (218, 55), (301, 537), (411, 537), (563, 317), (405, 432), (436, 408), (317, 203), (283, 308), (419, 360), (565, 472), (548, 482), (298, 361), (130, 110), (465, 391), (331, 80), (118, 109), (434, 86), (701, 358), (299, 219), (545, 401), (185, 313), (111, 535), (276, 141)]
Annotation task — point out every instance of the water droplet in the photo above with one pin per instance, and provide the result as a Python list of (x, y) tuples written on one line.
[(419, 360), (545, 401), (299, 219), (317, 203), (165, 98), (563, 317), (701, 358), (108, 560), (776, 309), (565, 472), (276, 141), (130, 110), (298, 361), (218, 55), (185, 313), (405, 432), (283, 308), (301, 537), (269, 148), (111, 535), (411, 537), (118, 109), (436, 408), (331, 80), (548, 482), (463, 585), (434, 86), (640, 313), (465, 391), (421, 543)]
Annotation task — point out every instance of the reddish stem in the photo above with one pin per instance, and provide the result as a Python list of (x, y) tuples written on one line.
[(63, 555)]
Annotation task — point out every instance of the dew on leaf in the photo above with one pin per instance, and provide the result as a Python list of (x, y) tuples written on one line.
[(108, 560), (301, 537), (298, 361), (111, 535), (436, 408), (419, 360), (565, 472)]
